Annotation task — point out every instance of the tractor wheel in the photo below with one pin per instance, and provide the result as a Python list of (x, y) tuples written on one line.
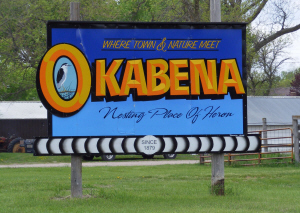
[(14, 146)]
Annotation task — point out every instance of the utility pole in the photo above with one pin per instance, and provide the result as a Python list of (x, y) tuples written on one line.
[(74, 11), (217, 160), (215, 11), (76, 160)]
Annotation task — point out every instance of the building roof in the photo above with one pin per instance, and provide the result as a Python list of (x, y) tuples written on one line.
[(22, 110), (278, 110)]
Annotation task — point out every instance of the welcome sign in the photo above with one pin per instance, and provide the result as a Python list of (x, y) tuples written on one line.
[(135, 80)]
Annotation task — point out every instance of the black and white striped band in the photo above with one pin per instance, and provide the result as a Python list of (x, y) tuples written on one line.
[(148, 145)]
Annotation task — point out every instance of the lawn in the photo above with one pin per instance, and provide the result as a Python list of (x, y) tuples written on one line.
[(28, 158), (167, 188)]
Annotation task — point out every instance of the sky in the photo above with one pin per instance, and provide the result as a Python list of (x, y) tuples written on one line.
[(292, 51)]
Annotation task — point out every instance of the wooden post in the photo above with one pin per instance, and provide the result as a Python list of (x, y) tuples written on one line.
[(76, 160), (217, 174), (296, 137), (217, 160), (74, 11), (229, 158), (76, 176), (265, 134), (202, 159)]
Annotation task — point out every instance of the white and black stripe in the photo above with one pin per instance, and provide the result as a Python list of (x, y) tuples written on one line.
[(130, 145)]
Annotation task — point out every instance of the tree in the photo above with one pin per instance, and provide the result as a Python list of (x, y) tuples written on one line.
[(23, 29), (266, 67), (278, 20), (295, 85), (269, 22), (23, 42), (286, 78), (274, 27)]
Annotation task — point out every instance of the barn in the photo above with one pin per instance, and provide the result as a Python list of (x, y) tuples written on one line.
[(277, 111), (26, 119)]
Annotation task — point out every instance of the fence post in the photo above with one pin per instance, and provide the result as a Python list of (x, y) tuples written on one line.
[(265, 134), (296, 137), (76, 160), (202, 159)]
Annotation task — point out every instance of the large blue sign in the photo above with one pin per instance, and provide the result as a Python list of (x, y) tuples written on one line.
[(120, 79)]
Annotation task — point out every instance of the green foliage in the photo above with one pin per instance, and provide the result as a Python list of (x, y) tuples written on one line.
[(286, 78), (145, 10), (295, 83), (23, 31), (23, 42), (283, 80), (264, 66)]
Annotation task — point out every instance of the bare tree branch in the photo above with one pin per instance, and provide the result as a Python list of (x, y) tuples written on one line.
[(272, 37), (257, 12)]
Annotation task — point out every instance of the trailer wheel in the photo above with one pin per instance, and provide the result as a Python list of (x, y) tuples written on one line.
[(87, 157), (14, 146), (170, 156), (108, 157), (147, 156)]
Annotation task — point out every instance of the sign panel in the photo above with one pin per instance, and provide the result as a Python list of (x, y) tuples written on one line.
[(139, 79)]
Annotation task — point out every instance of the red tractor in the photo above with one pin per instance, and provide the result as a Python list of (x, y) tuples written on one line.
[(11, 144)]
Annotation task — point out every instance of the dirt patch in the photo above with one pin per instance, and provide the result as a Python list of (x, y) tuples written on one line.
[(104, 186)]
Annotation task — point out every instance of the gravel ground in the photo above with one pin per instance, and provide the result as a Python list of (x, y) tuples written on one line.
[(114, 163)]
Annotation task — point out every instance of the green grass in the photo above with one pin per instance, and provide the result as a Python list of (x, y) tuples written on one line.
[(167, 188), (25, 158), (28, 158), (21, 158), (269, 159)]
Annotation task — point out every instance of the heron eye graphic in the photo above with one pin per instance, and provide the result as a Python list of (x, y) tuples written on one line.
[(65, 78)]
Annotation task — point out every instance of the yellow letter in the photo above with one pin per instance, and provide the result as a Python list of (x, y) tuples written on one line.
[(207, 76), (230, 66), (108, 78), (134, 67), (176, 76), (152, 76)]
